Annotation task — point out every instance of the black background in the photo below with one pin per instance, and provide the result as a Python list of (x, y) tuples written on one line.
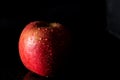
[(94, 52)]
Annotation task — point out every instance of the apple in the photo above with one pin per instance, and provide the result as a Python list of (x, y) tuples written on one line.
[(43, 46)]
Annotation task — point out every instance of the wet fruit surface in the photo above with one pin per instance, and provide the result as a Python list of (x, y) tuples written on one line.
[(42, 46)]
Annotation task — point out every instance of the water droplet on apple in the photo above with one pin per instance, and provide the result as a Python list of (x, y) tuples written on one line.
[(36, 32), (50, 54), (49, 50), (46, 39), (40, 38), (43, 43), (46, 29), (51, 30), (38, 28), (47, 45), (39, 41)]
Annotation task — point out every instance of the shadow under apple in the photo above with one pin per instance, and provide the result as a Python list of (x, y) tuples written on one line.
[(32, 76)]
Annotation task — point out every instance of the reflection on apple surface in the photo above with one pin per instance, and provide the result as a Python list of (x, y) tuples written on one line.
[(33, 76)]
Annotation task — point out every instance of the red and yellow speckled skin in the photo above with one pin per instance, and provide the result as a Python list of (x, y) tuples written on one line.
[(41, 46)]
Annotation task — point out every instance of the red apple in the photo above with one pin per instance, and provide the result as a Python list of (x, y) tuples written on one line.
[(42, 46)]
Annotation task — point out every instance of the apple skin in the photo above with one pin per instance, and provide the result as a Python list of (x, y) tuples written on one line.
[(42, 47)]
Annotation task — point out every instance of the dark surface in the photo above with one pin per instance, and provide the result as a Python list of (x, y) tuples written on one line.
[(94, 52), (113, 17)]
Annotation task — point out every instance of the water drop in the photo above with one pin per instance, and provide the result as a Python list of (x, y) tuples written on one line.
[(51, 30), (47, 45), (39, 41), (40, 38), (50, 54), (36, 32), (43, 43), (38, 28), (46, 39), (46, 29), (49, 50), (48, 64)]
